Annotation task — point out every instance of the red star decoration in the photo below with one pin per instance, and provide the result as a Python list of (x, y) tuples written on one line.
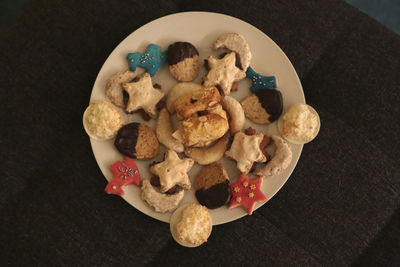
[(246, 192), (125, 173)]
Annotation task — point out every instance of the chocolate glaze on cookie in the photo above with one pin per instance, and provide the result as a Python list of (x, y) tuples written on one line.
[(215, 196), (271, 101), (126, 139), (178, 51)]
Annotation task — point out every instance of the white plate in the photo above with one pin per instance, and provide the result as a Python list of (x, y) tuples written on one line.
[(201, 29)]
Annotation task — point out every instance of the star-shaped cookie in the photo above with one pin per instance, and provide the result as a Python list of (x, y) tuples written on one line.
[(260, 82), (246, 192), (223, 72), (152, 59), (173, 171), (143, 95), (246, 150)]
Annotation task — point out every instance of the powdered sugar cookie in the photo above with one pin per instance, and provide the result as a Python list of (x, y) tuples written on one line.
[(164, 132), (236, 113), (237, 43), (161, 202), (279, 161)]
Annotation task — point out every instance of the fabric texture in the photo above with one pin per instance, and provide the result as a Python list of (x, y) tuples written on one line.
[(340, 206)]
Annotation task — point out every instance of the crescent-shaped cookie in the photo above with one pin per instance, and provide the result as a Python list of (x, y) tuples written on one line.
[(179, 90), (114, 89), (235, 111), (161, 202), (204, 156), (280, 160), (164, 132), (238, 44)]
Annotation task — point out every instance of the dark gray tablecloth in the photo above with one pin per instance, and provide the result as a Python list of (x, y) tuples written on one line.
[(340, 206)]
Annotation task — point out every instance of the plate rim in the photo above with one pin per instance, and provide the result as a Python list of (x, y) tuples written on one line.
[(185, 13)]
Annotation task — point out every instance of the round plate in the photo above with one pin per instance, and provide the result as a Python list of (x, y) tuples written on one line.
[(201, 29)]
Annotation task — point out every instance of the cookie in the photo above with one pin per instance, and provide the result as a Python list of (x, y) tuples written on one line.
[(114, 90), (264, 106), (200, 100), (246, 192), (137, 140), (201, 131), (280, 160), (207, 155), (142, 95), (300, 124), (260, 82), (102, 120), (164, 132), (223, 72), (236, 113), (192, 226), (152, 59), (125, 173), (183, 61), (173, 171), (160, 202), (237, 43), (212, 186), (179, 90), (246, 150)]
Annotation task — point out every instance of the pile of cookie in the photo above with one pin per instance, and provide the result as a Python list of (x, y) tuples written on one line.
[(210, 127)]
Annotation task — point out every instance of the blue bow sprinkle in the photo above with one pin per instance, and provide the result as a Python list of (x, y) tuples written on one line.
[(260, 82), (152, 59)]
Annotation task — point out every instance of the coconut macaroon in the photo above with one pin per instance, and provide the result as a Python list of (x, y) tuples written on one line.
[(300, 124), (102, 120), (191, 225)]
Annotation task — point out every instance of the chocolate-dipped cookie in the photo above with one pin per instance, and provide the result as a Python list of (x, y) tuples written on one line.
[(264, 106), (183, 61), (137, 140), (212, 186)]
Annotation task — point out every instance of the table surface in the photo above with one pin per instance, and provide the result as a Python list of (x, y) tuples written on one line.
[(340, 206)]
